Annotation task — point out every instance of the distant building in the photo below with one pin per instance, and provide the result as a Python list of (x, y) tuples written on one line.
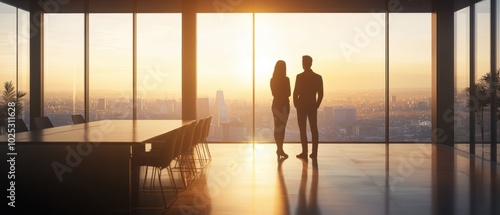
[(422, 105), (220, 113), (344, 117), (233, 130), (394, 99), (328, 113), (202, 108), (102, 104), (170, 105), (140, 104), (166, 106)]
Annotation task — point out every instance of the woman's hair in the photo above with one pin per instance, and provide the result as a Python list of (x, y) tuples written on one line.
[(280, 69)]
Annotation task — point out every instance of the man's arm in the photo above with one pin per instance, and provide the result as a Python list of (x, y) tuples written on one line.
[(320, 92), (295, 92)]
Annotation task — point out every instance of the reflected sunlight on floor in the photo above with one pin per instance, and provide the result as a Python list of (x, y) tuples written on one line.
[(345, 179)]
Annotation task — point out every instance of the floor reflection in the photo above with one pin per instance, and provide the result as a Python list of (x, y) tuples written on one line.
[(354, 179), (282, 203), (313, 207), (302, 203)]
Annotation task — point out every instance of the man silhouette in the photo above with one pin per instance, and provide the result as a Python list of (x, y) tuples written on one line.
[(307, 97)]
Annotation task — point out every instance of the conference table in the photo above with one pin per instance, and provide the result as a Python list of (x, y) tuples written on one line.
[(80, 168)]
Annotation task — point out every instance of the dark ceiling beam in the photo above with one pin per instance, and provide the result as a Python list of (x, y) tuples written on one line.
[(233, 6), (312, 6), (237, 6), (23, 4)]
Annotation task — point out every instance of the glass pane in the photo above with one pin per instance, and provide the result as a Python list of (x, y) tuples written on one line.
[(23, 62), (462, 78), (410, 50), (159, 66), (224, 65), (7, 44), (63, 67), (7, 51), (110, 66), (348, 51), (482, 71)]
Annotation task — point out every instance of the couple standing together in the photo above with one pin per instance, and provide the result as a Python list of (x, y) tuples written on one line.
[(307, 97)]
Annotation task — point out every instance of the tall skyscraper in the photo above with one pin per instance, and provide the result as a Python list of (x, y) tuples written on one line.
[(220, 113), (140, 104)]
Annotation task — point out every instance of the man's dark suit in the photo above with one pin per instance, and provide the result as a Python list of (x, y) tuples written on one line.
[(307, 97)]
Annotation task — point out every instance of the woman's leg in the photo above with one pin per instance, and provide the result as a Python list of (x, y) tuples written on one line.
[(280, 115)]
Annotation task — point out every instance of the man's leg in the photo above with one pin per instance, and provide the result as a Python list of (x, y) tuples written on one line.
[(313, 123), (301, 119)]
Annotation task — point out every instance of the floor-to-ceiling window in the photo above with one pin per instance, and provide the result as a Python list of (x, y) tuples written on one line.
[(351, 58), (349, 55), (482, 77), (14, 56), (347, 51), (111, 66), (159, 66), (63, 67), (224, 65), (410, 69), (462, 78), (410, 66), (8, 45)]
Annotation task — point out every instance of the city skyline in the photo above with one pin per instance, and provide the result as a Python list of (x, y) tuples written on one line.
[(409, 117)]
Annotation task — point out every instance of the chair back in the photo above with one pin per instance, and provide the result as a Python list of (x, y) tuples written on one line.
[(43, 123), (179, 140), (198, 132), (206, 129), (188, 137), (21, 126), (77, 119), (168, 151)]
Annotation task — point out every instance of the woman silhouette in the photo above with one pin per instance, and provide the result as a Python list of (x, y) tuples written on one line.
[(280, 88)]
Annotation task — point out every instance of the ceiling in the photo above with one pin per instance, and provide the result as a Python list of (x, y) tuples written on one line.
[(235, 6)]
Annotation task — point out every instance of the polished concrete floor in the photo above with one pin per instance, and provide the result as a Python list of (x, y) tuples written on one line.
[(345, 179)]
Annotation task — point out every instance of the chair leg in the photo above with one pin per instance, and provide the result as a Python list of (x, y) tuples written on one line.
[(145, 177), (201, 156), (208, 151), (181, 163), (161, 188), (153, 177), (172, 181)]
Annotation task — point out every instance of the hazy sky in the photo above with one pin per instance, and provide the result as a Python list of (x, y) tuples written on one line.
[(348, 50)]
